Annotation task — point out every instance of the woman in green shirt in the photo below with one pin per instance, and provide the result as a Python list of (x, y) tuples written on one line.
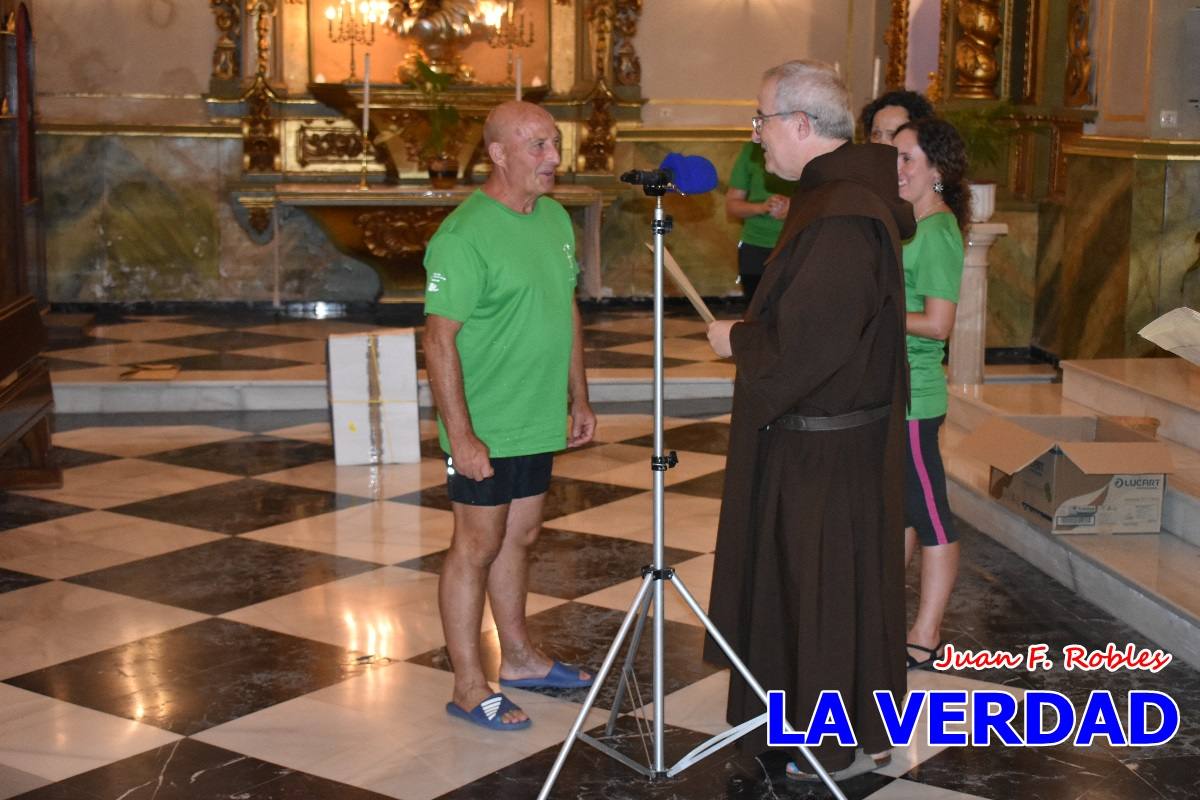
[(931, 167), (761, 199)]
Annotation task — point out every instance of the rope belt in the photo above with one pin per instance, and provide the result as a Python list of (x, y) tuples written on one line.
[(841, 422)]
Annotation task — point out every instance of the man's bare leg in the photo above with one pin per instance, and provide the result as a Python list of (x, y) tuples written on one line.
[(479, 532), (508, 586)]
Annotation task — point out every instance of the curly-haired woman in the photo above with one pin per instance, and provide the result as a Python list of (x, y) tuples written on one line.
[(931, 167)]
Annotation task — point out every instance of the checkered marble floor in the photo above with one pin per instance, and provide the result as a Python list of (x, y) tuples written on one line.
[(258, 346), (209, 608)]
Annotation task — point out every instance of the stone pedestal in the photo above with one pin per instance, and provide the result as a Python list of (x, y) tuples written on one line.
[(970, 323)]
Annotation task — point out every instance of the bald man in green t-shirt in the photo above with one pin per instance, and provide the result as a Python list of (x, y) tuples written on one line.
[(504, 352)]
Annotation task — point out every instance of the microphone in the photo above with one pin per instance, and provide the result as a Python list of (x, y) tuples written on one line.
[(647, 177), (683, 174)]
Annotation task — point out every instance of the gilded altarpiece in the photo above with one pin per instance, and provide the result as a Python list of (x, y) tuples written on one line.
[(1024, 66), (302, 121)]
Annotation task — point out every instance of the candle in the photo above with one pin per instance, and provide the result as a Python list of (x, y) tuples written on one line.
[(366, 104), (875, 82), (837, 68), (518, 78)]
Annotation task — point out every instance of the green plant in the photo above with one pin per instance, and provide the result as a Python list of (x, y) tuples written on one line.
[(445, 124), (985, 131)]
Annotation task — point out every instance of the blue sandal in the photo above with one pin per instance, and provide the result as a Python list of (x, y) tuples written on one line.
[(490, 713), (560, 676)]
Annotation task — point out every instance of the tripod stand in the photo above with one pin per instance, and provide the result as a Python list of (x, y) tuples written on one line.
[(653, 577)]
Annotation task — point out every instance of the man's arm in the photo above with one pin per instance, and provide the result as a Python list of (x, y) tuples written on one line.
[(583, 419), (470, 454)]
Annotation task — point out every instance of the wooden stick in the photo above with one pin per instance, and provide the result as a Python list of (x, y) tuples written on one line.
[(681, 280)]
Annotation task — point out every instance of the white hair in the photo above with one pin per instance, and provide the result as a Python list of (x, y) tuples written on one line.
[(814, 88)]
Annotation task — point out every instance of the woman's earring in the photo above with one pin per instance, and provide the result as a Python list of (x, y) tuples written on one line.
[(937, 187)]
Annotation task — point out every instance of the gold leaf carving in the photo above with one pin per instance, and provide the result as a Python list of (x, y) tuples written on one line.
[(316, 145), (896, 38), (975, 63), (1079, 54), (392, 232), (226, 64), (627, 68), (260, 129), (260, 218)]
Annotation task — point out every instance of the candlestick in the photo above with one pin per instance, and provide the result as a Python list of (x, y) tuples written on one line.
[(366, 118), (510, 32), (366, 91), (355, 24), (518, 78)]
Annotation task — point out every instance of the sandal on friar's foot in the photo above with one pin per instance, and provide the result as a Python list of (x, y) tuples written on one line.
[(921, 663)]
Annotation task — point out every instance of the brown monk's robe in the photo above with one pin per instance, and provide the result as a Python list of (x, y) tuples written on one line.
[(808, 582)]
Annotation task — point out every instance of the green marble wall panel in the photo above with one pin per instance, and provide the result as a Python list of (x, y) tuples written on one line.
[(1121, 251), (1012, 265), (131, 218), (704, 241), (1180, 282), (1082, 295), (1052, 223), (1145, 253)]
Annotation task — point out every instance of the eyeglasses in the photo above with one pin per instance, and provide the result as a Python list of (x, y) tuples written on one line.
[(756, 122)]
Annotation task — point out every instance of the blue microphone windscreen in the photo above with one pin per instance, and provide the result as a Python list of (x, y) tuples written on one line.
[(692, 174)]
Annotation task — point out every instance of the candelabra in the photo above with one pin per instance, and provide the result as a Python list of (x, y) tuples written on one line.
[(355, 23), (507, 29)]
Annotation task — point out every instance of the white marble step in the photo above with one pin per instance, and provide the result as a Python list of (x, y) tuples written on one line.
[(1181, 503), (112, 397), (1020, 373), (1167, 389), (1146, 580)]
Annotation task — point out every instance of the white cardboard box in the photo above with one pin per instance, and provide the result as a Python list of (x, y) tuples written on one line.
[(373, 397), (1073, 474)]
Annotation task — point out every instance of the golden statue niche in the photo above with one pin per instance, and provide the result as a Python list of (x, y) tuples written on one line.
[(320, 137)]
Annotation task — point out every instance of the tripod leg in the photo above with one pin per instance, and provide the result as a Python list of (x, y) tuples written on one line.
[(609, 658), (627, 669), (747, 676)]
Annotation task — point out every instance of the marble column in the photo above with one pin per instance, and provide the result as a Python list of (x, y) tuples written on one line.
[(970, 323)]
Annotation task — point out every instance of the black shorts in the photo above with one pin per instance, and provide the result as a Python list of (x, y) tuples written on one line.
[(514, 478), (752, 259), (751, 263), (925, 505)]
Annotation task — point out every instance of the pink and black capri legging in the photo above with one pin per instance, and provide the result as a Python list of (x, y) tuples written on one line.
[(925, 504)]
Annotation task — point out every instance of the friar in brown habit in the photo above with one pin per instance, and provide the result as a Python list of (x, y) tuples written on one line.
[(808, 583)]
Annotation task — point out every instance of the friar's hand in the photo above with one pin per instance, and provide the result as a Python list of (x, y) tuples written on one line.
[(718, 337)]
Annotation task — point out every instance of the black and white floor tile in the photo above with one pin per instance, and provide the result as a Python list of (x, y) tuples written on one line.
[(256, 347), (210, 608)]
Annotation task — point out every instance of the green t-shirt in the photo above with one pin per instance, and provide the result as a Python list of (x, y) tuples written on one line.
[(509, 278), (751, 176), (933, 265)]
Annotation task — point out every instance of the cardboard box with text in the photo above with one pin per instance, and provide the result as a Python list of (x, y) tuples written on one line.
[(1073, 474)]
